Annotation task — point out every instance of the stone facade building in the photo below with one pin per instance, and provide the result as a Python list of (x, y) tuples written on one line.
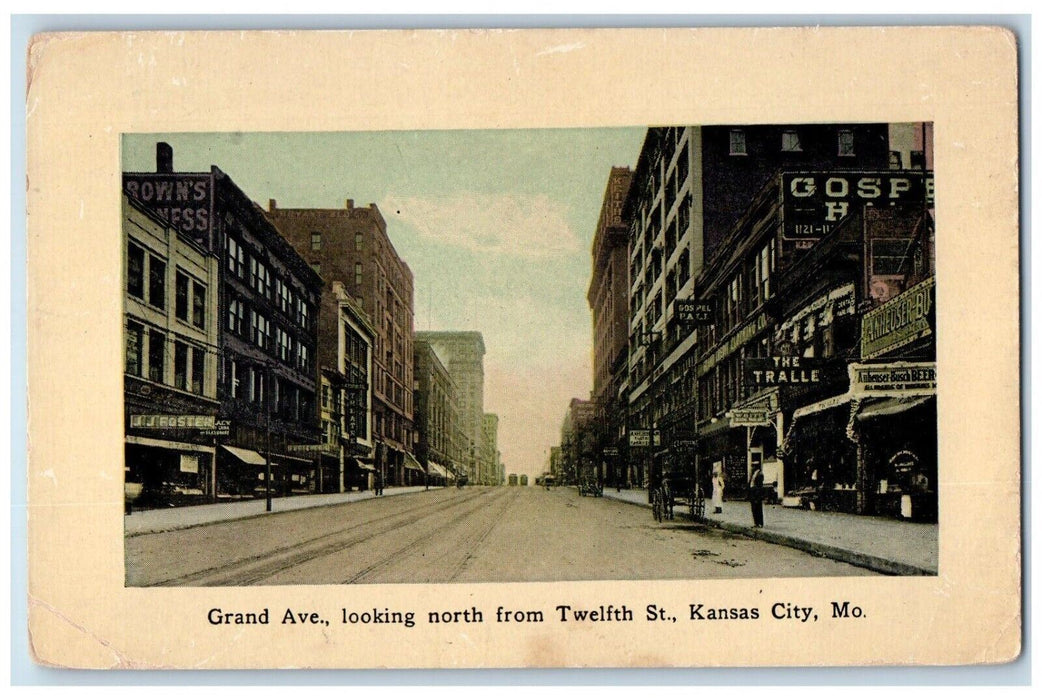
[(463, 353)]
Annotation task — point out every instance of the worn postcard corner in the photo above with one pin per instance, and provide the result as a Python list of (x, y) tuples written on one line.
[(570, 348)]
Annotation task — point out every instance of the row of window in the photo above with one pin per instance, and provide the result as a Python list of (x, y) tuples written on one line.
[(189, 293), (251, 383), (267, 335), (266, 283), (790, 142), (316, 241), (146, 353)]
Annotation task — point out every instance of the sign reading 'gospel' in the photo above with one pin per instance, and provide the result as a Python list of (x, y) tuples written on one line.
[(813, 203)]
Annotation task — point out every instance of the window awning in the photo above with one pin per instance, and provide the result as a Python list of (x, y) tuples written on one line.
[(888, 407), (411, 463), (823, 405), (244, 455)]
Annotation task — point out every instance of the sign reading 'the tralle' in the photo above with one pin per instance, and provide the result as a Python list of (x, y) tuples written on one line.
[(774, 371)]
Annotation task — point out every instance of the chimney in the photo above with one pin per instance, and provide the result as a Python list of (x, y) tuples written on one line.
[(271, 205), (350, 204), (164, 158)]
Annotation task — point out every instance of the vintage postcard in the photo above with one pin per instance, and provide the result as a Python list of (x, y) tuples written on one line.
[(562, 348)]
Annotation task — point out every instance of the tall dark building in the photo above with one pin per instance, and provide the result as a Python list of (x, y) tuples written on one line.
[(267, 304), (689, 187)]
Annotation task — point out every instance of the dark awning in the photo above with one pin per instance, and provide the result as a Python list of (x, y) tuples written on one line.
[(877, 408)]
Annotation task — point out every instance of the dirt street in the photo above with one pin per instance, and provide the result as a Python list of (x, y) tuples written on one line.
[(469, 535)]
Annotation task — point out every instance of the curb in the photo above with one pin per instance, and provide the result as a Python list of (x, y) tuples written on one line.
[(847, 556)]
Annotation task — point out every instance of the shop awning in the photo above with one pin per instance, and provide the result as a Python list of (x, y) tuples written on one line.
[(823, 405), (282, 459), (714, 427), (244, 455), (437, 469), (878, 408), (411, 463)]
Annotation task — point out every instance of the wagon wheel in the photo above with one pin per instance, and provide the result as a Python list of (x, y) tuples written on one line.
[(698, 505)]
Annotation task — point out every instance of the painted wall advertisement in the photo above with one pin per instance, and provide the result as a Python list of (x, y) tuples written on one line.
[(184, 200), (814, 202), (900, 321)]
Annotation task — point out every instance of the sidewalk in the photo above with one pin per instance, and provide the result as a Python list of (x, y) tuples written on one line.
[(165, 519), (885, 545)]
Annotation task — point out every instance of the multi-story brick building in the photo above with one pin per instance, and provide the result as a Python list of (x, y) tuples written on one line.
[(463, 353), (267, 301), (436, 416), (346, 451), (778, 366), (352, 246), (689, 186), (608, 297)]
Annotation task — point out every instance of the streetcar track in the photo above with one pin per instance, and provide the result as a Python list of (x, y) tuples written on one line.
[(312, 544), (273, 568), (423, 539), (477, 544)]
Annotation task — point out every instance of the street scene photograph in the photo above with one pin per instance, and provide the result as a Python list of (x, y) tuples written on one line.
[(650, 353)]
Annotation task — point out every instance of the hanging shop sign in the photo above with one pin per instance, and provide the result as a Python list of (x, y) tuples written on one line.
[(777, 371), (902, 320), (814, 202), (894, 378), (644, 438), (693, 313), (750, 417), (171, 422), (611, 451)]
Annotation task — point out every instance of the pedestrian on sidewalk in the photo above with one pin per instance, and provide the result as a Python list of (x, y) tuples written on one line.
[(756, 497), (718, 489)]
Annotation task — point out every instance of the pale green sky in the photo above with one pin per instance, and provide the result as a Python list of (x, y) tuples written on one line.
[(495, 225)]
